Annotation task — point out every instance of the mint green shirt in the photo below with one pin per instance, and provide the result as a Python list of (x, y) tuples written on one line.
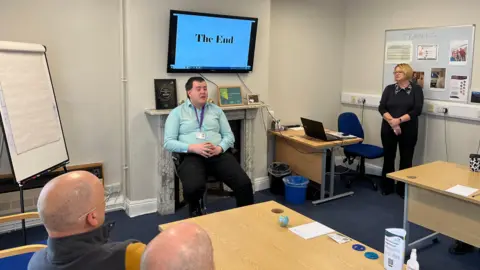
[(182, 127)]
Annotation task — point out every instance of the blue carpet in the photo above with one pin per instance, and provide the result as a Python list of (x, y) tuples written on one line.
[(363, 217)]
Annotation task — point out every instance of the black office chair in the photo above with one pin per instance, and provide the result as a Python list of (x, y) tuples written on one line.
[(211, 181)]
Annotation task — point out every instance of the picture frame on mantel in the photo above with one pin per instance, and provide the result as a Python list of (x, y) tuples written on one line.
[(229, 96), (253, 99)]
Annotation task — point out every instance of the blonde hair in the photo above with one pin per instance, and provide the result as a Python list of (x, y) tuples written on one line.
[(406, 69)]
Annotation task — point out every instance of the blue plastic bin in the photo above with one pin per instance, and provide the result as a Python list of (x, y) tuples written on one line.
[(295, 189)]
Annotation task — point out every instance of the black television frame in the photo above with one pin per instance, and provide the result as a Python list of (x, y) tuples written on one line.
[(172, 40)]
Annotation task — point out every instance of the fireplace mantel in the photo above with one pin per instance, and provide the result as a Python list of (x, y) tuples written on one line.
[(165, 169)]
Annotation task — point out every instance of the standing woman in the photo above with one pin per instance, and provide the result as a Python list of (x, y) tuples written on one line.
[(400, 106)]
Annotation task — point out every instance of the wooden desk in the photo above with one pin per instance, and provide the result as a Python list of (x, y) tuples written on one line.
[(307, 157), (250, 238), (428, 204)]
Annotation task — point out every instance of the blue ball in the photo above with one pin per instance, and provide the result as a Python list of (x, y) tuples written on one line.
[(283, 220)]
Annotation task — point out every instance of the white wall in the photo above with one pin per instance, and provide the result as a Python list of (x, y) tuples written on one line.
[(366, 22), (147, 35), (306, 57), (83, 49)]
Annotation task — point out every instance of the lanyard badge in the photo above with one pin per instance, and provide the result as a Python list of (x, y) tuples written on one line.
[(200, 134)]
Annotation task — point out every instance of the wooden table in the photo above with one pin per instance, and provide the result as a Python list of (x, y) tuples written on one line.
[(307, 157), (251, 238), (428, 204)]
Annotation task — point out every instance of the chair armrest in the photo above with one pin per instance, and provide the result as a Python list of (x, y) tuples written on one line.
[(22, 216), (21, 250), (177, 158)]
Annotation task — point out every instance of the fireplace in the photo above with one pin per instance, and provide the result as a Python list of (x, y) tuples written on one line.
[(241, 121), (236, 126)]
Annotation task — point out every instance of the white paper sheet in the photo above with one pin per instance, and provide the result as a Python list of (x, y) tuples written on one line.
[(340, 135), (31, 107), (296, 128), (339, 238), (462, 190), (311, 230), (398, 52), (459, 88), (427, 52)]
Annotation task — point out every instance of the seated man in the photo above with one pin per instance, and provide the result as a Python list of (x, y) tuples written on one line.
[(72, 209), (201, 130), (183, 246)]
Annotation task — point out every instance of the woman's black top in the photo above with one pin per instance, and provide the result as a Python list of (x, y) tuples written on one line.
[(398, 101)]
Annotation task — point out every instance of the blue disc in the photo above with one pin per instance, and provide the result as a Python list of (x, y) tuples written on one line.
[(371, 255), (358, 247)]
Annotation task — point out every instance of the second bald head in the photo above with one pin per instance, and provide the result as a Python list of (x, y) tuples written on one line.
[(182, 246)]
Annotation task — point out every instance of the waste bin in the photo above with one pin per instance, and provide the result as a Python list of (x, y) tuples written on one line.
[(295, 189), (276, 172)]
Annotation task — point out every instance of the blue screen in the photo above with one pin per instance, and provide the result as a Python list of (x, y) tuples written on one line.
[(206, 42)]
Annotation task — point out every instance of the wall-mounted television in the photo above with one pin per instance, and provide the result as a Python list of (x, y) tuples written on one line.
[(210, 43)]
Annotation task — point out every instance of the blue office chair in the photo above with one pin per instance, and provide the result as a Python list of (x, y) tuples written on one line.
[(348, 123)]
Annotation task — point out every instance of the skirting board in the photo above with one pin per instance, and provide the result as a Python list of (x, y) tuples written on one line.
[(261, 183), (142, 207), (114, 204), (148, 206)]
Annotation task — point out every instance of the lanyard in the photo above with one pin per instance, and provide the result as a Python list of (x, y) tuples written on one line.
[(200, 121)]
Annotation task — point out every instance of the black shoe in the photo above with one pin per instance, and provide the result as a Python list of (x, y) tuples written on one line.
[(460, 248), (195, 210), (401, 194), (386, 191)]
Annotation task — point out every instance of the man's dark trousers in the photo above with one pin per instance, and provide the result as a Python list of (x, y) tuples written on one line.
[(194, 170)]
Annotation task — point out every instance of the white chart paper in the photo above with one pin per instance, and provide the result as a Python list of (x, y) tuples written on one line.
[(38, 125)]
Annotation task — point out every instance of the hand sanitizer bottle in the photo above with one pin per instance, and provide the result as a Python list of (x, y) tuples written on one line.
[(412, 263)]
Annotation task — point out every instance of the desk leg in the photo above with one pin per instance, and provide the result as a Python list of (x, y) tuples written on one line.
[(324, 178), (405, 218), (406, 227), (332, 182), (332, 173)]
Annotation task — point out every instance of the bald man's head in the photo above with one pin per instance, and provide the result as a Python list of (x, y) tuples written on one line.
[(72, 203), (183, 246)]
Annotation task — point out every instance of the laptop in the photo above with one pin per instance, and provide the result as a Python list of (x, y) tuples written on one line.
[(315, 130)]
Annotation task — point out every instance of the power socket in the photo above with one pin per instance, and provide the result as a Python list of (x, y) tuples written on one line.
[(443, 110), (361, 100), (430, 108), (112, 189)]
